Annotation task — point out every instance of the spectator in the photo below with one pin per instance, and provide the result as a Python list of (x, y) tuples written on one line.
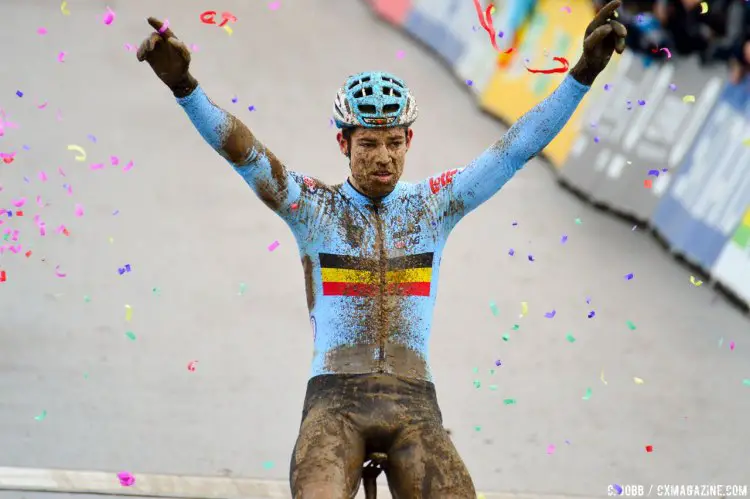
[(734, 47)]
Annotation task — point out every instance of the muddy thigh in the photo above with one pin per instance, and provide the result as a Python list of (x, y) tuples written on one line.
[(424, 463), (327, 458)]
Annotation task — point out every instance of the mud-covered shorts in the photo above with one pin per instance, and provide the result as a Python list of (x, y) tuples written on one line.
[(346, 417)]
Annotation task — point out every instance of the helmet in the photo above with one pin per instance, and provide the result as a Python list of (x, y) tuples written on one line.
[(374, 100)]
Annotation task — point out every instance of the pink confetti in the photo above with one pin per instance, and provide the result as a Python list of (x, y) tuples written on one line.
[(62, 230), (59, 116), (126, 479), (60, 171), (109, 17), (400, 54), (79, 210), (274, 5), (42, 176), (97, 166), (127, 167), (731, 345), (61, 57), (566, 9), (666, 51), (194, 47), (114, 160), (191, 365), (19, 202), (42, 31), (42, 106), (39, 201), (273, 246), (58, 273), (550, 449), (164, 26), (129, 47)]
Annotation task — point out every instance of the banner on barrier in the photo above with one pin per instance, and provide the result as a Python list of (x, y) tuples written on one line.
[(393, 11), (640, 125), (712, 188), (432, 22), (512, 91), (733, 265)]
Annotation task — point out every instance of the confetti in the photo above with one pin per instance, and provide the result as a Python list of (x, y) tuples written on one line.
[(61, 57), (617, 488), (578, 221), (694, 281), (273, 246), (550, 315), (524, 308), (631, 326), (704, 7), (746, 382), (127, 167), (3, 276), (638, 381), (128, 313), (641, 102), (268, 465), (566, 9), (731, 345), (494, 309), (164, 26), (562, 69), (688, 98), (87, 299), (649, 448), (191, 365), (130, 335), (587, 396), (511, 252), (498, 363), (606, 87), (228, 30), (721, 342), (109, 17), (666, 51), (19, 93), (126, 479), (601, 377), (274, 5), (64, 9), (629, 276), (400, 54), (469, 82), (506, 337), (156, 291), (531, 257), (124, 269), (570, 338), (19, 202), (79, 210), (41, 416), (243, 287), (58, 273), (591, 315), (509, 401), (550, 449), (42, 31), (251, 108), (78, 149), (563, 239), (672, 87)]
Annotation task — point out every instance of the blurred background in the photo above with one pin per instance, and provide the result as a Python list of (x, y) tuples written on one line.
[(147, 327)]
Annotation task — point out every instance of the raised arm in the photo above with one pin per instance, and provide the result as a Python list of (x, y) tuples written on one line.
[(279, 189), (461, 191)]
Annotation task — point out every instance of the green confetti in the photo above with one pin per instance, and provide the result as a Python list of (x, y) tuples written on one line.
[(130, 335), (506, 337), (87, 298), (156, 291), (477, 428), (516, 327), (85, 375), (509, 401), (588, 394), (243, 287), (41, 416), (477, 383), (475, 370), (631, 325), (570, 338), (721, 342), (268, 465), (493, 387), (6, 236), (492, 371), (494, 309), (578, 221), (746, 382)]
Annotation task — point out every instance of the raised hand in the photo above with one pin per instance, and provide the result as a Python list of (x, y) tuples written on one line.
[(169, 58), (603, 37)]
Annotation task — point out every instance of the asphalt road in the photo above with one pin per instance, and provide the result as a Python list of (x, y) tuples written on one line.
[(194, 236)]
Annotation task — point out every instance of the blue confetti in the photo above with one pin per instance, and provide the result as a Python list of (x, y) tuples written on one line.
[(19, 93)]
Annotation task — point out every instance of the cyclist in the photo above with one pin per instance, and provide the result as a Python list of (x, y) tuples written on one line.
[(371, 249)]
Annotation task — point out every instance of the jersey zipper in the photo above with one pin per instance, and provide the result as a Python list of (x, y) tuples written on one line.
[(382, 335)]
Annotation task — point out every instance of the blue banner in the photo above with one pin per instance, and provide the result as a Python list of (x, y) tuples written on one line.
[(711, 189)]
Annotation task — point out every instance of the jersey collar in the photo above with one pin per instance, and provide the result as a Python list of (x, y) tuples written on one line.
[(362, 200)]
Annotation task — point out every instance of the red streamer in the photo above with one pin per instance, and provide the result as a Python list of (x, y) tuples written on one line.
[(485, 19), (562, 69)]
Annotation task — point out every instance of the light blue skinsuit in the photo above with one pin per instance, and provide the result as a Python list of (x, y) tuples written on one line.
[(372, 266)]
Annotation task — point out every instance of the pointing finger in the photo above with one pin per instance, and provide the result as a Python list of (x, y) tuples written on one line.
[(159, 26), (606, 12)]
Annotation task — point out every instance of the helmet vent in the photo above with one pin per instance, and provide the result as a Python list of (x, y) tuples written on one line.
[(391, 80), (390, 108), (367, 109), (391, 91), (367, 91)]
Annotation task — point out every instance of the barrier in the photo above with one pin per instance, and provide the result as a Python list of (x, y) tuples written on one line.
[(612, 156), (711, 191), (512, 91), (697, 200)]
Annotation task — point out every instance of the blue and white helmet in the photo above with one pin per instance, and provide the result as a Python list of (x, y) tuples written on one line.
[(374, 99)]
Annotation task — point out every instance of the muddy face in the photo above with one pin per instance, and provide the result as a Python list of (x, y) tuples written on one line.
[(376, 158)]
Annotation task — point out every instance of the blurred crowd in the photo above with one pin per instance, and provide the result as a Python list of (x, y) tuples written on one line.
[(715, 30)]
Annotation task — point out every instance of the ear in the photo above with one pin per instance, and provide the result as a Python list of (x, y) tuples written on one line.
[(409, 136), (343, 145)]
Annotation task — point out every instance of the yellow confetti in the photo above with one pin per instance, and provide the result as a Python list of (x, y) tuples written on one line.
[(704, 7), (746, 142), (524, 308), (78, 149), (228, 29), (64, 9), (602, 378), (688, 98), (128, 313), (638, 381), (111, 240), (492, 11), (694, 281)]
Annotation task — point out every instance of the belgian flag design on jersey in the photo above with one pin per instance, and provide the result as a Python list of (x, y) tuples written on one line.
[(343, 275)]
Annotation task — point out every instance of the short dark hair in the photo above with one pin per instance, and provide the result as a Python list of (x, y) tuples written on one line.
[(347, 134)]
